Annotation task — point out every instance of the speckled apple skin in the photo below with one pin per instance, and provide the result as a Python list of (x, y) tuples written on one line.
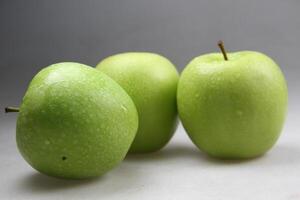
[(232, 109), (151, 81), (75, 122)]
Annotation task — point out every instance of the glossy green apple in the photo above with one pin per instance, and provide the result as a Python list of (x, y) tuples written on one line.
[(232, 108), (151, 81), (75, 122)]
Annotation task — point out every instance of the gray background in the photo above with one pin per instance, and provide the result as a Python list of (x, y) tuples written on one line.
[(37, 33)]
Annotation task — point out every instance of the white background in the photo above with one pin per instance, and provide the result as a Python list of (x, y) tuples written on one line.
[(179, 171)]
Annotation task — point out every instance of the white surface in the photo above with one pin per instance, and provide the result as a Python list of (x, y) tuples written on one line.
[(179, 171)]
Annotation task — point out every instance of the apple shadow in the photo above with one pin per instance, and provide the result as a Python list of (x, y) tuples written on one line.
[(117, 180), (280, 154), (166, 154), (130, 175), (182, 151), (37, 182), (277, 156)]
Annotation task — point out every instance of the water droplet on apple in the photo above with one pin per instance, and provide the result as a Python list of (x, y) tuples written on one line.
[(124, 108)]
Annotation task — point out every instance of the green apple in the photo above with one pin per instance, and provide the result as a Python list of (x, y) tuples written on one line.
[(151, 81), (75, 122), (232, 108)]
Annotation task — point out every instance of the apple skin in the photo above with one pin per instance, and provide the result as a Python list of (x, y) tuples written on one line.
[(232, 109), (151, 81), (75, 122)]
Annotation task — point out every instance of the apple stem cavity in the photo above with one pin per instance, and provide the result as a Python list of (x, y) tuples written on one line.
[(11, 109), (221, 45)]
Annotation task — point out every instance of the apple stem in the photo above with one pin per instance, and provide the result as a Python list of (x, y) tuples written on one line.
[(11, 109), (221, 45)]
